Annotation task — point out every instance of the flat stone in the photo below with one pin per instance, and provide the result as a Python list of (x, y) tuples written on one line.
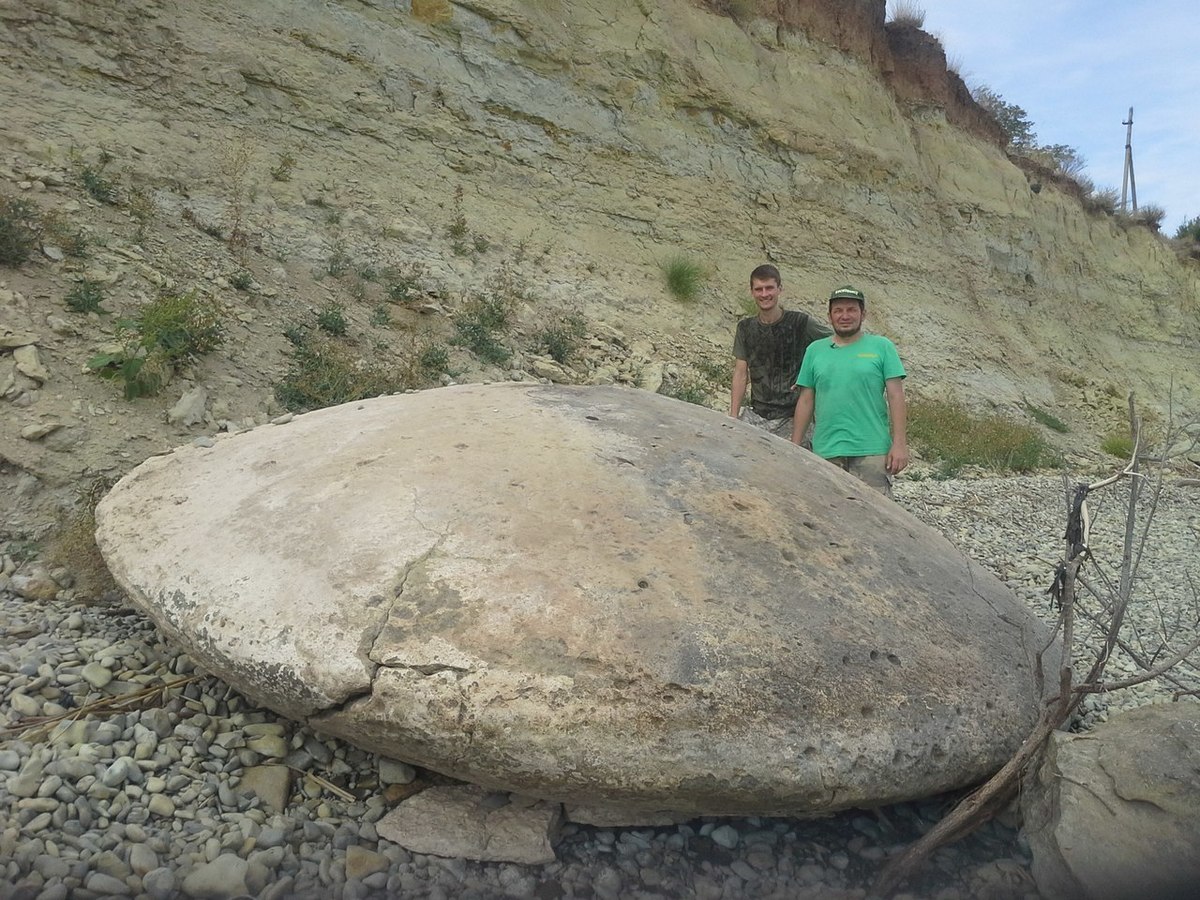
[(271, 784), (469, 822), (221, 879), (526, 586)]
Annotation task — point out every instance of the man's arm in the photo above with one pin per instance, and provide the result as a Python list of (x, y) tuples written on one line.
[(741, 377), (897, 457), (803, 414)]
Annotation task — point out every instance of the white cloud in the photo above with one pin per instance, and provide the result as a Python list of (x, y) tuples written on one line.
[(1076, 67)]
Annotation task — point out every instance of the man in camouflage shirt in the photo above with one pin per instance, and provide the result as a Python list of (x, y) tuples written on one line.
[(768, 349)]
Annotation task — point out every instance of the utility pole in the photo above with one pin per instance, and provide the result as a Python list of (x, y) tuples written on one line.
[(1127, 181)]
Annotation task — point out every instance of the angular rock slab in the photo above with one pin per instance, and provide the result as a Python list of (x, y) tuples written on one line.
[(592, 595), (1114, 813)]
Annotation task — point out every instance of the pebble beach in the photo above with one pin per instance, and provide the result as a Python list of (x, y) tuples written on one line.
[(123, 769)]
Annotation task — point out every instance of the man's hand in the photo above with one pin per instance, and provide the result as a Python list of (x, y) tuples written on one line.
[(897, 458)]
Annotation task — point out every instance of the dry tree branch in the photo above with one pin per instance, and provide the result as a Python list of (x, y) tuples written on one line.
[(979, 806), (41, 725)]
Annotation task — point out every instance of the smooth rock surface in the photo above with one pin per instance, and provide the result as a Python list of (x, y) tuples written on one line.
[(1114, 814), (582, 594)]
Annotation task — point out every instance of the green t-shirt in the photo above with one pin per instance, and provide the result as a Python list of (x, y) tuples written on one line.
[(849, 407)]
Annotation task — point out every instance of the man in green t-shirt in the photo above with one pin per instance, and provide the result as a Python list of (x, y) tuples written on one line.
[(767, 350), (853, 385)]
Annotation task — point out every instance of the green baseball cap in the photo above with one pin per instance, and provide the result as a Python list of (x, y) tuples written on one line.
[(846, 292)]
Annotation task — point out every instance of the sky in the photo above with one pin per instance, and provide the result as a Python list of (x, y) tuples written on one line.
[(1077, 66)]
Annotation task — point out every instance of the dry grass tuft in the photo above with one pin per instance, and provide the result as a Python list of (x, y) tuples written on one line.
[(74, 544)]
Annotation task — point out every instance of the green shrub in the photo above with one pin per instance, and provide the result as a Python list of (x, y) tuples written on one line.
[(689, 390), (332, 319), (86, 297), (1189, 230), (99, 187), (716, 372), (282, 170), (684, 277), (948, 433), (168, 332), (241, 280), (404, 282), (1118, 444), (480, 323), (338, 263), (1044, 418), (324, 373), (434, 359), (457, 230), (561, 339), (58, 230), (20, 228), (182, 325), (381, 316)]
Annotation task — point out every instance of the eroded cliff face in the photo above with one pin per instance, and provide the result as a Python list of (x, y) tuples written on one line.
[(589, 141)]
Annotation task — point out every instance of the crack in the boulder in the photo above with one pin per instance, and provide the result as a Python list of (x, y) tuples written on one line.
[(371, 635)]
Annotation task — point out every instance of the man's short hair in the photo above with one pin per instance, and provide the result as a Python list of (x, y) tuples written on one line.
[(847, 292), (766, 272)]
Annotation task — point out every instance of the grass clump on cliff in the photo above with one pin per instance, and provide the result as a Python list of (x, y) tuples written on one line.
[(954, 437), (325, 373), (1042, 417), (87, 296), (906, 12), (73, 545), (166, 334), (684, 277), (560, 339), (20, 228)]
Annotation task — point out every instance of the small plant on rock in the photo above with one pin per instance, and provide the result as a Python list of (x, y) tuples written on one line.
[(332, 319), (907, 13), (73, 544), (241, 280), (404, 282), (479, 324), (282, 170), (57, 229), (689, 390), (100, 188), (381, 316), (561, 339), (86, 297), (434, 359), (20, 228), (457, 230), (1118, 444)]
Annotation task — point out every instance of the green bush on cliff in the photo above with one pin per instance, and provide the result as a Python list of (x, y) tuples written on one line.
[(166, 333), (20, 226), (950, 434), (325, 373), (1189, 230)]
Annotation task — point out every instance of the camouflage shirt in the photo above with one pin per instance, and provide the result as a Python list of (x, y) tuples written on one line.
[(773, 354)]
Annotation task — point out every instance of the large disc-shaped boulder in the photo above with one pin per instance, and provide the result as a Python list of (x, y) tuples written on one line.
[(585, 594)]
